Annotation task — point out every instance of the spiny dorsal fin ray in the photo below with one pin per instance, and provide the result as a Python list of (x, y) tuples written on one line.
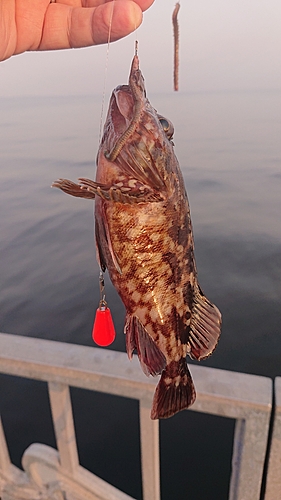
[(205, 326)]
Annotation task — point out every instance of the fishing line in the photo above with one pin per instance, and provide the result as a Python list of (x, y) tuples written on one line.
[(136, 39), (106, 69)]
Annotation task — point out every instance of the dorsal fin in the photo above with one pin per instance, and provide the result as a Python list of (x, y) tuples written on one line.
[(205, 326)]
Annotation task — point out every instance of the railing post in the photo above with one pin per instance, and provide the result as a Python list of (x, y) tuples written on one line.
[(5, 463), (237, 452), (64, 426), (249, 448), (273, 479), (149, 433)]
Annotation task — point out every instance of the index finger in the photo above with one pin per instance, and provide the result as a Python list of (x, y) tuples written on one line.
[(66, 26)]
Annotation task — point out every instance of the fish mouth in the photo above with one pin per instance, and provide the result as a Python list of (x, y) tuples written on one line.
[(127, 103), (128, 99), (121, 109)]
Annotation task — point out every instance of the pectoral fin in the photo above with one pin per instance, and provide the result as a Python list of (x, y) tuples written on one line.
[(99, 249), (120, 194), (74, 189), (90, 189), (205, 326), (152, 360), (104, 244)]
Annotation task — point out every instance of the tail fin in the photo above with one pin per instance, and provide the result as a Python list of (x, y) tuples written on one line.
[(174, 392)]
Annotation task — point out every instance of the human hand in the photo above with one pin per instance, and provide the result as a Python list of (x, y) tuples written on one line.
[(63, 24)]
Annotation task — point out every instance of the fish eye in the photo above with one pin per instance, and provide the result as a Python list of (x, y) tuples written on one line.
[(164, 123), (167, 126)]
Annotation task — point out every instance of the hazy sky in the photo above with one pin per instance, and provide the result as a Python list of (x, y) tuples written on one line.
[(224, 45)]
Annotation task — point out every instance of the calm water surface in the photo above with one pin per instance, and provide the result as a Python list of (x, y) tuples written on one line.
[(228, 145)]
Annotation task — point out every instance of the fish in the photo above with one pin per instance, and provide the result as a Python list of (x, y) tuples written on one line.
[(144, 239)]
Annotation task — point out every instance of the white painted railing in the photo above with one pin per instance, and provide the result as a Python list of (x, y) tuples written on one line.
[(56, 474)]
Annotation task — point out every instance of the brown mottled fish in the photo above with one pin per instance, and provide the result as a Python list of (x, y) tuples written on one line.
[(144, 238)]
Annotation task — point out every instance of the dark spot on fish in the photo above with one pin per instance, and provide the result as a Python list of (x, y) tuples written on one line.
[(147, 320), (173, 232), (184, 334), (181, 329), (188, 293), (176, 270), (176, 368), (168, 257), (184, 231), (144, 240), (180, 276), (169, 350)]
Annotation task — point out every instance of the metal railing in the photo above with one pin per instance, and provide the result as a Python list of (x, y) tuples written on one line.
[(57, 474)]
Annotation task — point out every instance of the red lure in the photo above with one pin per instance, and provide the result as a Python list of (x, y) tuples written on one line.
[(103, 332)]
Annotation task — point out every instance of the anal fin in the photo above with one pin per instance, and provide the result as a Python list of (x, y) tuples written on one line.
[(174, 392), (151, 358), (205, 326)]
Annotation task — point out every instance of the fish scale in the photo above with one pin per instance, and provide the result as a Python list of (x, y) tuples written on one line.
[(144, 239)]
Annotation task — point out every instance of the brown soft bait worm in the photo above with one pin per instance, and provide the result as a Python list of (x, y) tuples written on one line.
[(176, 45), (137, 95)]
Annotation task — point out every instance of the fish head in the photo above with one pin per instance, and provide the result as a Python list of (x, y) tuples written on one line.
[(137, 141)]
